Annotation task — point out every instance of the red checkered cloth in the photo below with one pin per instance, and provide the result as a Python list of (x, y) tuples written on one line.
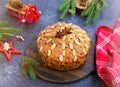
[(108, 54)]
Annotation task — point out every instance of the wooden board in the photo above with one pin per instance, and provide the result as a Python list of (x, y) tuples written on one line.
[(51, 75)]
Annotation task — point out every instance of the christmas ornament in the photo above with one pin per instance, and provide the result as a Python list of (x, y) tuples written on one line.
[(90, 9), (25, 13), (8, 49)]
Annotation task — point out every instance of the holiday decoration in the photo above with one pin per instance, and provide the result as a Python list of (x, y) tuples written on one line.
[(6, 32), (25, 13), (90, 9), (17, 4), (8, 49), (28, 66)]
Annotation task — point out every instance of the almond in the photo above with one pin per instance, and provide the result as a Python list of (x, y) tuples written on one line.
[(71, 36), (63, 46), (86, 45), (38, 39), (75, 58), (53, 46), (77, 42), (47, 41), (80, 39), (84, 51), (64, 38), (63, 52), (59, 23), (52, 27), (71, 46), (41, 48), (61, 58), (49, 52), (74, 52), (79, 34), (62, 28)]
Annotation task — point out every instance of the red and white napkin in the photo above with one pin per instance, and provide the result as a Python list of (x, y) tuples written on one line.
[(108, 54)]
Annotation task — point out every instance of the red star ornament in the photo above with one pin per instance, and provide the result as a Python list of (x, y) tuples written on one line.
[(9, 51)]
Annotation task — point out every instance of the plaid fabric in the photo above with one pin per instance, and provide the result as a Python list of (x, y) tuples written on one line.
[(108, 54)]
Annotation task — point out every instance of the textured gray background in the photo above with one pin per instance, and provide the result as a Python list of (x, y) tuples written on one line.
[(10, 75)]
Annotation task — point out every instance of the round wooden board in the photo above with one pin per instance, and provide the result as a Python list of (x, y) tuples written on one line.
[(51, 75)]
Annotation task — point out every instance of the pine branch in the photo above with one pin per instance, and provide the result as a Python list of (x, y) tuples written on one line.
[(97, 12), (63, 4), (32, 72), (89, 13), (89, 17), (10, 30), (104, 4), (3, 23), (3, 37), (73, 8), (1, 56), (65, 11), (28, 65)]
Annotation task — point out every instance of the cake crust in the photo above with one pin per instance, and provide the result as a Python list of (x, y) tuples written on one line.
[(63, 46)]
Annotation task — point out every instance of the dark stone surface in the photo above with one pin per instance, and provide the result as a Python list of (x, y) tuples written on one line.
[(10, 75)]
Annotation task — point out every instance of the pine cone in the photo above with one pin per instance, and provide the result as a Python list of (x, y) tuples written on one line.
[(82, 4), (18, 4)]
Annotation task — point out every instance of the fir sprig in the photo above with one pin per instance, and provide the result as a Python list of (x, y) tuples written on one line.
[(3, 23), (5, 32), (28, 66), (67, 6), (91, 12), (10, 30), (1, 56)]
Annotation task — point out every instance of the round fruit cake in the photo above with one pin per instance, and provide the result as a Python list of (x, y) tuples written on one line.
[(63, 46)]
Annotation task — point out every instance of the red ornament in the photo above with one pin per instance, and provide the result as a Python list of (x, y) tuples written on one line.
[(29, 14), (8, 49)]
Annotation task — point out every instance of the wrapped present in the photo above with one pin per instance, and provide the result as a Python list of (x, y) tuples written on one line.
[(25, 13)]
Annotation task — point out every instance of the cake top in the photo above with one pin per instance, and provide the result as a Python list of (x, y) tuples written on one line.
[(63, 40)]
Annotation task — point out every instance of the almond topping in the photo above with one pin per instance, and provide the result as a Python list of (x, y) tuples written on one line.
[(61, 58), (77, 42), (38, 39), (75, 58), (88, 39), (84, 51), (43, 32), (49, 52), (53, 46), (71, 46), (59, 23), (70, 24), (63, 52), (47, 41), (79, 35), (80, 39), (52, 27), (74, 53), (86, 45), (41, 48), (63, 46), (62, 28), (71, 36), (66, 25), (64, 38)]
